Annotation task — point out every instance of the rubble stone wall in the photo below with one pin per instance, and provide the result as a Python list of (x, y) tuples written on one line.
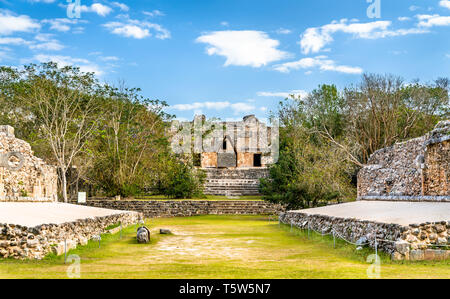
[(21, 242), (437, 173), (418, 168), (425, 241), (185, 208), (24, 177)]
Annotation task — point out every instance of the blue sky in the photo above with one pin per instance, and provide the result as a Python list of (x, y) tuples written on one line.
[(230, 58)]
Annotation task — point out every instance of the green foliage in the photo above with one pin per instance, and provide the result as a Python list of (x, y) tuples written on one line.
[(182, 180), (111, 139), (306, 175)]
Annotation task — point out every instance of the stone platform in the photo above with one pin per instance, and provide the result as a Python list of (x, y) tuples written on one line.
[(32, 230), (407, 230)]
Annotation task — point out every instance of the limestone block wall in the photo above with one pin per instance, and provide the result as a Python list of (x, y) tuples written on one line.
[(424, 241), (418, 169), (185, 208), (21, 242), (437, 172), (24, 177)]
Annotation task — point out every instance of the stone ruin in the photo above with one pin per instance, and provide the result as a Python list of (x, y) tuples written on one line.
[(233, 154), (24, 177), (237, 157), (415, 170)]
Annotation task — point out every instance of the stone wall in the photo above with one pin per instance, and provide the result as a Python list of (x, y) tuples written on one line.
[(418, 168), (23, 242), (425, 241), (24, 177), (184, 208)]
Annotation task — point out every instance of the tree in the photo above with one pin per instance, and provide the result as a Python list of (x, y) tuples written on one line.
[(64, 104), (130, 143), (308, 172), (383, 110)]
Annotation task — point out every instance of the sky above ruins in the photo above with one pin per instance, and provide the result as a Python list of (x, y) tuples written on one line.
[(230, 58)]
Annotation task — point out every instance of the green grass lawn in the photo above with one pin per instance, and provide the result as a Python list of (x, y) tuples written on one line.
[(220, 247)]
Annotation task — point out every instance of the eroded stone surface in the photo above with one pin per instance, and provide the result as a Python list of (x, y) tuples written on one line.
[(418, 168), (34, 180)]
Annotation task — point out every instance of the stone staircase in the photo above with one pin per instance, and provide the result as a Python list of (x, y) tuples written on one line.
[(233, 182)]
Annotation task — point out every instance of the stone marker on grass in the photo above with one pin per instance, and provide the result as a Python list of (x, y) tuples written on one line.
[(143, 235)]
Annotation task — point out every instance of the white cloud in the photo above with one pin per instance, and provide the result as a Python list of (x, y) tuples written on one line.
[(14, 41), (137, 29), (243, 48), (121, 6), (100, 9), (63, 24), (10, 23), (315, 39), (242, 107), (154, 13), (225, 24), (237, 108), (283, 31), (445, 3), (433, 20), (321, 62), (402, 19), (84, 64), (42, 42), (296, 93), (109, 58), (414, 8), (46, 42)]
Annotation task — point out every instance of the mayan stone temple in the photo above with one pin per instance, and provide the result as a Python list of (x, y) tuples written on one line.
[(415, 170), (234, 154)]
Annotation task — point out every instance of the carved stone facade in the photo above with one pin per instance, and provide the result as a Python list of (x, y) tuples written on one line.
[(234, 154), (415, 170), (24, 177), (243, 144)]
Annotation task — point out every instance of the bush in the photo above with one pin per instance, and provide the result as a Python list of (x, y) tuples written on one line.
[(182, 180)]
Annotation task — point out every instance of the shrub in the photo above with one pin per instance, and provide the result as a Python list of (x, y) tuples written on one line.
[(182, 180)]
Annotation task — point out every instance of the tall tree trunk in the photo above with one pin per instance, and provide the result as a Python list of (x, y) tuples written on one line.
[(64, 186)]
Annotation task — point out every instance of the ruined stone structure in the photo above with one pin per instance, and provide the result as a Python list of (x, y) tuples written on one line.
[(415, 170), (186, 208), (234, 155), (24, 177), (425, 241), (23, 242)]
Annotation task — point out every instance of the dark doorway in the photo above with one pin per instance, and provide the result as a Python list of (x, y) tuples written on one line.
[(197, 160), (257, 160), (224, 145)]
